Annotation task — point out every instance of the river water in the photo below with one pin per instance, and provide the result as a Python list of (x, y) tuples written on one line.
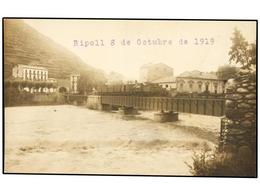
[(71, 139)]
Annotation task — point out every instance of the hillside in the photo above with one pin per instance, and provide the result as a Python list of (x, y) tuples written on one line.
[(25, 45)]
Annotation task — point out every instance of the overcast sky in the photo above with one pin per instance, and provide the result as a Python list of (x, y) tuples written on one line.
[(128, 59)]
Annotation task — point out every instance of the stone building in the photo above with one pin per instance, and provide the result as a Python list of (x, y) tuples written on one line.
[(27, 72), (151, 72), (196, 81)]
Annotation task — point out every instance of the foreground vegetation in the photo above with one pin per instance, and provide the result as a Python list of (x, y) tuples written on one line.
[(222, 163)]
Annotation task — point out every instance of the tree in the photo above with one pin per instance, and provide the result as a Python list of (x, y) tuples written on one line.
[(241, 51), (89, 80), (84, 83), (226, 72)]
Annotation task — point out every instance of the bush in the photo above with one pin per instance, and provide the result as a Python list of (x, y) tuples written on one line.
[(217, 163)]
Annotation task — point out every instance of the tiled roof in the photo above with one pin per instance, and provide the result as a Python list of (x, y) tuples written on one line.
[(198, 74)]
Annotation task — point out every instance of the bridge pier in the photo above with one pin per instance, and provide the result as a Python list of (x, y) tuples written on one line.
[(105, 107), (128, 110), (166, 116), (75, 102)]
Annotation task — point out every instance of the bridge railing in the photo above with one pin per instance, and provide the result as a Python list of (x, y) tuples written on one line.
[(214, 107)]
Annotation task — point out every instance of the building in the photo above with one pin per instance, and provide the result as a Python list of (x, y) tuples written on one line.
[(167, 83), (74, 79), (33, 79), (151, 72), (63, 85), (114, 78), (33, 73), (199, 82)]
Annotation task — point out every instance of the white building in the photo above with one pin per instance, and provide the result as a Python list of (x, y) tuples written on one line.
[(74, 79), (27, 72), (196, 81), (35, 75)]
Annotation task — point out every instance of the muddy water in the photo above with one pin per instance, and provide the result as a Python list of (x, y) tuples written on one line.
[(70, 139)]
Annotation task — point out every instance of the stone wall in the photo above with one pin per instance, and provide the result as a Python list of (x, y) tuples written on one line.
[(94, 102), (16, 98), (53, 98), (238, 129)]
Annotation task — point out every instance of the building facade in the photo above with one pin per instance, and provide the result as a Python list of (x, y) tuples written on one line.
[(74, 79), (33, 79), (151, 72), (199, 82), (33, 73), (167, 83)]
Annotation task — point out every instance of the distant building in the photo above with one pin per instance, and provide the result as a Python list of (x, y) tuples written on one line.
[(114, 78), (167, 83), (27, 72), (196, 81), (35, 75), (74, 79), (151, 72)]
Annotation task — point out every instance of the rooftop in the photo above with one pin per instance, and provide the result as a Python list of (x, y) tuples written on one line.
[(31, 66), (155, 65), (199, 75)]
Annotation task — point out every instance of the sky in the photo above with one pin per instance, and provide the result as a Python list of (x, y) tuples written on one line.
[(213, 38)]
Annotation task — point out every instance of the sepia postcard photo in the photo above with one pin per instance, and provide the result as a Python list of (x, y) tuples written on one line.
[(144, 97)]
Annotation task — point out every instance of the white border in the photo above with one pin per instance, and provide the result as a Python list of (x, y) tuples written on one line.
[(199, 9)]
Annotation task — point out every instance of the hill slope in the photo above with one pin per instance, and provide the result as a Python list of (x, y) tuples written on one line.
[(25, 45)]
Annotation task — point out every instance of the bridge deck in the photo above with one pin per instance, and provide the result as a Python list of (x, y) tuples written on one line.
[(209, 106), (214, 107)]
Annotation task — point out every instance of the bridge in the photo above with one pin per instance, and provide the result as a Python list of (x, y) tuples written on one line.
[(204, 106)]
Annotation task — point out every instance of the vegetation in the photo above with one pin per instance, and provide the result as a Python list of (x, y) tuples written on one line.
[(240, 160), (226, 72), (90, 80), (241, 51), (220, 163), (16, 95), (16, 83)]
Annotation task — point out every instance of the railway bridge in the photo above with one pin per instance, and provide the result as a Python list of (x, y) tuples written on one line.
[(204, 106)]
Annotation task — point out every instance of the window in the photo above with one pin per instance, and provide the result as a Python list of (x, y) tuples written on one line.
[(45, 76), (191, 87), (30, 74), (200, 87), (215, 88), (25, 72), (181, 86), (207, 87)]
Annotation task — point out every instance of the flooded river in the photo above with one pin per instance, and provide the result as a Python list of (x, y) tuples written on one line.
[(70, 139)]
